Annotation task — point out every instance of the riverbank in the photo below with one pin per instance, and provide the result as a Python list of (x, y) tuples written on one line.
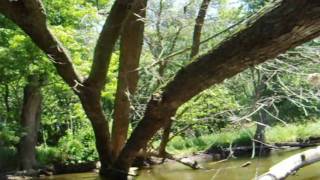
[(242, 136), (195, 149)]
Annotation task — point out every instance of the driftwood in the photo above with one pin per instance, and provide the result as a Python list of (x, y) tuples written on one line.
[(185, 161), (246, 164), (302, 143), (153, 157), (291, 165)]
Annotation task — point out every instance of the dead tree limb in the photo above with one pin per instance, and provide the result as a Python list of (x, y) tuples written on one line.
[(292, 164)]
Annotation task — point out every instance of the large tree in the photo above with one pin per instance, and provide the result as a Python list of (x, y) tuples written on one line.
[(30, 121), (273, 31)]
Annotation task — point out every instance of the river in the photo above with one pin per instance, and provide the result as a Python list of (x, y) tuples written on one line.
[(227, 170)]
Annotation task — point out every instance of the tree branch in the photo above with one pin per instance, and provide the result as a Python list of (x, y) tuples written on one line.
[(131, 43), (106, 42), (292, 164), (30, 16)]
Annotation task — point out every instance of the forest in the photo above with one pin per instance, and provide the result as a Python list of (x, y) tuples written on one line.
[(159, 89)]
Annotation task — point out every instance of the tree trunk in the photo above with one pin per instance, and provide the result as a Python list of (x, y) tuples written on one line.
[(130, 49), (91, 103), (165, 139), (106, 42), (260, 88), (156, 114), (260, 137), (167, 128), (281, 27), (198, 28), (291, 165), (30, 119)]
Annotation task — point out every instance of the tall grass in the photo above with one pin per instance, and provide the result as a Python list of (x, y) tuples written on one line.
[(292, 132), (275, 134), (180, 145)]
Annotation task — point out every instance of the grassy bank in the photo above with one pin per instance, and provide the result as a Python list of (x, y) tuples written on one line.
[(70, 152), (243, 136)]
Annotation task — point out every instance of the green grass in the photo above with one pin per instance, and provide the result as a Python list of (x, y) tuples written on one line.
[(292, 132), (276, 134), (179, 145), (47, 155)]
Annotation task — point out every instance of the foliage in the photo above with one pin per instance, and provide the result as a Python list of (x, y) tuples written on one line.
[(293, 132), (209, 111), (76, 150), (8, 135), (65, 133), (7, 158), (72, 148), (225, 138), (240, 136)]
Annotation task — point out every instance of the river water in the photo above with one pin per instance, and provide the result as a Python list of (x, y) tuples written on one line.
[(227, 170)]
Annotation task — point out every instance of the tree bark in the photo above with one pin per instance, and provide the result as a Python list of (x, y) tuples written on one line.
[(105, 44), (260, 131), (131, 43), (30, 120), (91, 102), (284, 26), (291, 165), (198, 28), (165, 139)]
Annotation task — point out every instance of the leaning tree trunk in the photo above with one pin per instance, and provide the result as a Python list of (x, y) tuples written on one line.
[(291, 165), (30, 119), (130, 49), (285, 25)]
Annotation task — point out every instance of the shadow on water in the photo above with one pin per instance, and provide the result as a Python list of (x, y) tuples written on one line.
[(227, 170)]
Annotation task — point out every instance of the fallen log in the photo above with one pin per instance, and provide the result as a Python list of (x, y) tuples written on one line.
[(186, 162), (296, 144), (61, 168), (291, 165)]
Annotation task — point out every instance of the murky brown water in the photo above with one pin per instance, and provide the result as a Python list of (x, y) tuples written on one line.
[(228, 170)]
